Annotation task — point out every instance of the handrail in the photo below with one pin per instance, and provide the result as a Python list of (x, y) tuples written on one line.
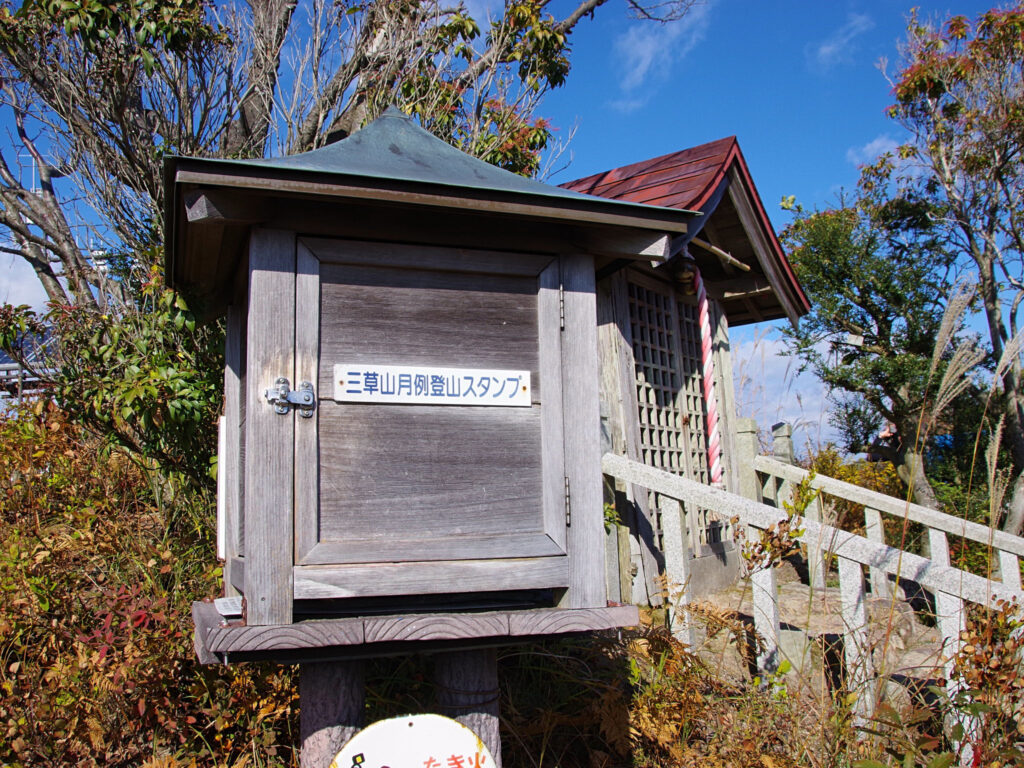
[(873, 499), (890, 560)]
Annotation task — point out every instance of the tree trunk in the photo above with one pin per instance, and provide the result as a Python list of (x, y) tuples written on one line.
[(1014, 522), (910, 468)]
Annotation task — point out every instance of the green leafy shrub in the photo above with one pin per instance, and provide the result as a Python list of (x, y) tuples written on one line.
[(96, 658)]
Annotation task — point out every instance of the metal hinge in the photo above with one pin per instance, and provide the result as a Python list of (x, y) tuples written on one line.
[(568, 505), (561, 306), (283, 397)]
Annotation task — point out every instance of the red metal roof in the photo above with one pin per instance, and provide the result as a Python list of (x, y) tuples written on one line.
[(687, 179), (683, 179)]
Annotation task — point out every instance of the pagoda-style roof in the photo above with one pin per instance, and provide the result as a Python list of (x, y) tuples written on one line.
[(714, 179), (391, 163), (395, 148)]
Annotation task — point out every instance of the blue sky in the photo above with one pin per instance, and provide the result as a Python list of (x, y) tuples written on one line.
[(800, 85), (797, 82)]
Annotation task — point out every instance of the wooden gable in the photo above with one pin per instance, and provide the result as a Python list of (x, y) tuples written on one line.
[(713, 179)]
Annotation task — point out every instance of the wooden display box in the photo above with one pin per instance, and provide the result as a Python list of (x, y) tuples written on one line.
[(411, 415)]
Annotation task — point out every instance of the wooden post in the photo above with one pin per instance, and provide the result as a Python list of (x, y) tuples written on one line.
[(269, 436), (763, 582), (330, 709), (467, 690), (677, 569), (229, 462), (582, 433)]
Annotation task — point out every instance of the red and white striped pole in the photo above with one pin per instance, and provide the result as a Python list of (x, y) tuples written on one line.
[(708, 367)]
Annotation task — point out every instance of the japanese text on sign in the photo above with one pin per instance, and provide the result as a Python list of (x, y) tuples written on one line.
[(430, 385)]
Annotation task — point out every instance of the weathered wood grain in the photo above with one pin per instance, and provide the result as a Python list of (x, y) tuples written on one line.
[(229, 461), (398, 255), (204, 616), (331, 698), (612, 577), (467, 690), (222, 523), (427, 317), (726, 395), (210, 206), (307, 430), (551, 209), (303, 634), (763, 248), (608, 340), (394, 549), (582, 433), (631, 431), (216, 641), (437, 577), (549, 354), (559, 621), (625, 564), (435, 627), (425, 472), (269, 447)]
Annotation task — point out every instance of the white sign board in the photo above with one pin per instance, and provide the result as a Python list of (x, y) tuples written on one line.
[(416, 741), (430, 385)]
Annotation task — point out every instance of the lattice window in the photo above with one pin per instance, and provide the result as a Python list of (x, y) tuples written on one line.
[(666, 351), (657, 377)]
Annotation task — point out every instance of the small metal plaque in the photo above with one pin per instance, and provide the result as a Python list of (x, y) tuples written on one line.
[(431, 385)]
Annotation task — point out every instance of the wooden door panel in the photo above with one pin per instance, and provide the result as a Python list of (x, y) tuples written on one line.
[(417, 483)]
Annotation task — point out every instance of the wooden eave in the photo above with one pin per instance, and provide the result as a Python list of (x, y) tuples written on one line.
[(390, 180), (210, 212), (714, 179)]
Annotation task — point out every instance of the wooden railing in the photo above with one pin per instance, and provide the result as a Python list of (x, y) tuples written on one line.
[(852, 553)]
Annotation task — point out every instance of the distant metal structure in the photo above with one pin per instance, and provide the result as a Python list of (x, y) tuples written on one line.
[(17, 381)]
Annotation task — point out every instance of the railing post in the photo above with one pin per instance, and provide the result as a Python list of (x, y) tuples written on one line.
[(677, 569), (875, 531), (762, 582), (1009, 570), (782, 443), (951, 621), (783, 450), (856, 652)]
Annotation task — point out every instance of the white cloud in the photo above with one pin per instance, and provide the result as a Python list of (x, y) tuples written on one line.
[(769, 389), (19, 284), (871, 151), (838, 47), (646, 52)]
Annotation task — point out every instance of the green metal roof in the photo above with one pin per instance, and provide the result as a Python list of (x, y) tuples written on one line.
[(394, 148)]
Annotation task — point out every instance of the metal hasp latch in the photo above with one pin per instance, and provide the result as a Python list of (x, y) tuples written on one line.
[(282, 397)]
